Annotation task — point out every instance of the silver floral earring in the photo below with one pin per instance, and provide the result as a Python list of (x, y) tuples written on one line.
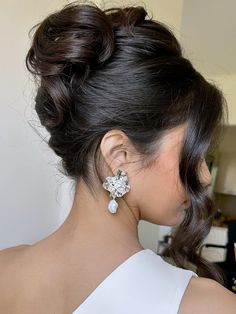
[(117, 185)]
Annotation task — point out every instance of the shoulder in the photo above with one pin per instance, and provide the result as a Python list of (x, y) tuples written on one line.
[(204, 295), (13, 269), (9, 255), (12, 250), (27, 278)]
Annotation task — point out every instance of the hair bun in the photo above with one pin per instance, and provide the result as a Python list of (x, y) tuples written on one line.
[(77, 34), (66, 45)]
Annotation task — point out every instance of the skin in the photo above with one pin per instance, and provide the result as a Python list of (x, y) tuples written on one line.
[(63, 268)]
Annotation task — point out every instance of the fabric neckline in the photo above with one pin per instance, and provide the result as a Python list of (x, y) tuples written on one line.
[(116, 269)]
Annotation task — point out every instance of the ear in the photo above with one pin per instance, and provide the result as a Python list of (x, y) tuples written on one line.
[(116, 149)]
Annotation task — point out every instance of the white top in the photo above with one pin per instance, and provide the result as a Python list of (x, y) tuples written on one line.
[(143, 283)]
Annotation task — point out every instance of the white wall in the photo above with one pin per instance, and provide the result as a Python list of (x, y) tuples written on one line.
[(29, 185)]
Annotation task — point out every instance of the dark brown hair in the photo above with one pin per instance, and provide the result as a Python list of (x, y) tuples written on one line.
[(118, 69)]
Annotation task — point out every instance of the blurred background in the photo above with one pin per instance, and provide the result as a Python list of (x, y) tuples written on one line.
[(36, 198)]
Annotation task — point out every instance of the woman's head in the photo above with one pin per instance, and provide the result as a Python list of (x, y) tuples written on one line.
[(119, 71)]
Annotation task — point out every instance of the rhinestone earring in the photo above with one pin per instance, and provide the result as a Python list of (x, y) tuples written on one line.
[(117, 185)]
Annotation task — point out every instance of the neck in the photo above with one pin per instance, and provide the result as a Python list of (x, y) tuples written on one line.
[(90, 226)]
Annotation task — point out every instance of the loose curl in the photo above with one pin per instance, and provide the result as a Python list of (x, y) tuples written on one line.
[(117, 68)]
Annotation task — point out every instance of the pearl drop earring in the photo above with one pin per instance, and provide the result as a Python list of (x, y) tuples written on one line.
[(117, 185)]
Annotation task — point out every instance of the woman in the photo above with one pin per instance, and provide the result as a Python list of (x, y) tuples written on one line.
[(132, 121)]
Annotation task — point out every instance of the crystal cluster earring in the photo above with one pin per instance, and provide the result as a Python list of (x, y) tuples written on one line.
[(117, 185)]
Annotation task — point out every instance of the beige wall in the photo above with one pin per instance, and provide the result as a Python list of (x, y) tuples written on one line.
[(169, 12), (228, 86), (226, 177)]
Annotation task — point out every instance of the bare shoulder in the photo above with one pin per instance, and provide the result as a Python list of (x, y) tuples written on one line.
[(204, 295), (11, 255), (10, 251), (26, 282), (11, 267)]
